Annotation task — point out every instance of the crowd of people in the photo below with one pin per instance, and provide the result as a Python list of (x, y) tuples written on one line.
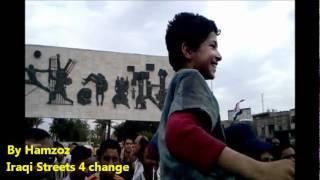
[(138, 153), (241, 137), (141, 154)]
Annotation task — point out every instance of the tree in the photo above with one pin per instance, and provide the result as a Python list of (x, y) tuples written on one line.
[(94, 138), (33, 122), (70, 129), (100, 130), (96, 134), (133, 128), (38, 121), (58, 129)]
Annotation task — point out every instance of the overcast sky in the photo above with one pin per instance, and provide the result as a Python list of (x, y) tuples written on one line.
[(256, 41)]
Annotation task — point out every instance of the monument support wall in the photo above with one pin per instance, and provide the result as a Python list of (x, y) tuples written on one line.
[(66, 83)]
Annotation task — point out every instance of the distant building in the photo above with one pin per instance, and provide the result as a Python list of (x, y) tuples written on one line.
[(268, 124), (227, 123), (275, 124)]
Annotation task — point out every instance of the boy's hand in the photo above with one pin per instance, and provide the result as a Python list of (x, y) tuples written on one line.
[(278, 170)]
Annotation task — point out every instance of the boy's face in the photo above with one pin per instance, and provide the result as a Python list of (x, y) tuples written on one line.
[(128, 145), (206, 58), (110, 156)]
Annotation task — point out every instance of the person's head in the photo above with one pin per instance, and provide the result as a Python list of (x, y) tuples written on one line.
[(275, 141), (242, 138), (128, 145), (266, 156), (37, 137), (141, 143), (60, 157), (191, 41), (287, 152), (41, 139), (109, 152), (80, 154), (152, 151)]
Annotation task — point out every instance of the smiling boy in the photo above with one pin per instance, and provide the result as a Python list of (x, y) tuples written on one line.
[(190, 136)]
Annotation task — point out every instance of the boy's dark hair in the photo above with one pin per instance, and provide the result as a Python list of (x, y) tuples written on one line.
[(80, 153), (108, 144), (36, 134), (190, 28)]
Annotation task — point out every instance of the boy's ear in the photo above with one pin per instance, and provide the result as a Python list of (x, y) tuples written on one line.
[(186, 51)]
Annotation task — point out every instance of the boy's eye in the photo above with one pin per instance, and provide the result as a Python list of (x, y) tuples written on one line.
[(213, 45)]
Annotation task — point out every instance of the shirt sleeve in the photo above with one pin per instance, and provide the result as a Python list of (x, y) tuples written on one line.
[(187, 141)]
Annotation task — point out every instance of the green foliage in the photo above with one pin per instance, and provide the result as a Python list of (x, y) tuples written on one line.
[(33, 122), (70, 129), (99, 132), (133, 128)]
